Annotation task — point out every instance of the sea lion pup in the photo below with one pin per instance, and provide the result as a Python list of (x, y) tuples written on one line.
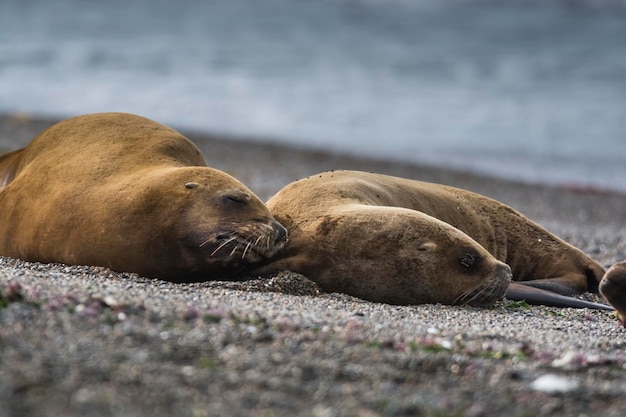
[(400, 241), (127, 193)]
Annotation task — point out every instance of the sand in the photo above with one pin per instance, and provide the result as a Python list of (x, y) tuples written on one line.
[(85, 341)]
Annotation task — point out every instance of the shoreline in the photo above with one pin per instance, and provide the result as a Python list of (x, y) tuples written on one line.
[(87, 341)]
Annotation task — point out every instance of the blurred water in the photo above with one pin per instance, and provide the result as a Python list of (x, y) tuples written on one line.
[(532, 90)]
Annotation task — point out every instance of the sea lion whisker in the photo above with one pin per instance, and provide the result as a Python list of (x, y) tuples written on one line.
[(483, 293), (473, 294), (243, 255), (494, 289), (461, 299), (236, 248), (208, 240), (226, 242)]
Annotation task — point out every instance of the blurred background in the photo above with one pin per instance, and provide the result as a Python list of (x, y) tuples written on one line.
[(529, 90)]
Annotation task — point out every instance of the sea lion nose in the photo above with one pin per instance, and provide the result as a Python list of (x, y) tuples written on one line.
[(504, 271), (282, 235)]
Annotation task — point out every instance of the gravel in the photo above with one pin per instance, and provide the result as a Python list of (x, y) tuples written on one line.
[(85, 341)]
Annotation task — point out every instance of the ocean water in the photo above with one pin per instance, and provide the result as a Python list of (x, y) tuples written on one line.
[(530, 90)]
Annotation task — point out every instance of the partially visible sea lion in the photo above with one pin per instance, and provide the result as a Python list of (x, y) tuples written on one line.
[(613, 288), (124, 192), (401, 241)]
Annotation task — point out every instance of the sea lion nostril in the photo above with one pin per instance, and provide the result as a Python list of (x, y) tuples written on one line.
[(281, 232)]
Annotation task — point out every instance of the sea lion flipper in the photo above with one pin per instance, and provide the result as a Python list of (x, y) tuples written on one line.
[(539, 296), (570, 284)]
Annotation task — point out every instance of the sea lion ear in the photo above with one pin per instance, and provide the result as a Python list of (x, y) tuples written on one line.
[(5, 179), (8, 167), (427, 246)]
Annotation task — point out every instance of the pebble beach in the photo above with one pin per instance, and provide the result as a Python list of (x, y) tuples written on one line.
[(86, 341)]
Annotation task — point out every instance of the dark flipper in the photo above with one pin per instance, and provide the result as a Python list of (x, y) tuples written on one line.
[(537, 296)]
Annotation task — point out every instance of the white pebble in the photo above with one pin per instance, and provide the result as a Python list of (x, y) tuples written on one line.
[(110, 302), (552, 383)]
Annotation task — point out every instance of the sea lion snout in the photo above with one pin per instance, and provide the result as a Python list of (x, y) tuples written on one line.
[(282, 236), (269, 248), (491, 289), (248, 241)]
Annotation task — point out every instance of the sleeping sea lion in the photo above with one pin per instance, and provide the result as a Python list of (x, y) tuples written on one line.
[(127, 193)]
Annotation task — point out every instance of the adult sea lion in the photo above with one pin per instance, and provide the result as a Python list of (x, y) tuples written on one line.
[(401, 241), (127, 193)]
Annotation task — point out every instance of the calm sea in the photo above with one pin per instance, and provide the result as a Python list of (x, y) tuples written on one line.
[(532, 90)]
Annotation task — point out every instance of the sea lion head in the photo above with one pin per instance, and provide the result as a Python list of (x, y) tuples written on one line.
[(389, 255), (204, 224), (227, 225), (613, 288), (451, 268), (487, 277)]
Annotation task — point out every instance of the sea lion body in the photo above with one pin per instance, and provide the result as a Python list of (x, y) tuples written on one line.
[(124, 192), (360, 232)]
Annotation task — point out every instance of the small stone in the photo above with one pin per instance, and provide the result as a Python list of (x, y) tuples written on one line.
[(110, 302), (553, 384)]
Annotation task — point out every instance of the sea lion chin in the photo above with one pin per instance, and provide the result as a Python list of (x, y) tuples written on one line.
[(124, 192)]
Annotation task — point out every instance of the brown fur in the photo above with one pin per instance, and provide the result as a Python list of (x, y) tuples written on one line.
[(124, 192), (402, 241), (613, 288)]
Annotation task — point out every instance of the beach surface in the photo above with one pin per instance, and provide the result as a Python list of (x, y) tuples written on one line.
[(85, 341)]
